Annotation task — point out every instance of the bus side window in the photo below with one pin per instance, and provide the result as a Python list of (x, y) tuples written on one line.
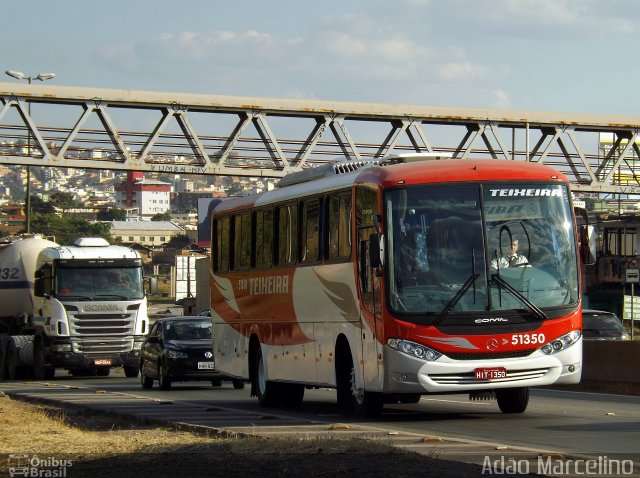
[(264, 237), (339, 244), (287, 233), (310, 231), (221, 244), (241, 241)]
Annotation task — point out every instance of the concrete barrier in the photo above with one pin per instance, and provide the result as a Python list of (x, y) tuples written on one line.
[(610, 367)]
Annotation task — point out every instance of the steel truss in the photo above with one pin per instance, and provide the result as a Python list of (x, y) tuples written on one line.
[(236, 136)]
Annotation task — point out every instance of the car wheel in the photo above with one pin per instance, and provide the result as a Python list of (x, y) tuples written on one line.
[(147, 382), (163, 381)]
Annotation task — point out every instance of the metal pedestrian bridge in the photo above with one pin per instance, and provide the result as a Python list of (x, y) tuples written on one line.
[(74, 127)]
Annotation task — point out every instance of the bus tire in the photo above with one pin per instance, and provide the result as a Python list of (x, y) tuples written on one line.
[(351, 399), (292, 395), (513, 400), (268, 392)]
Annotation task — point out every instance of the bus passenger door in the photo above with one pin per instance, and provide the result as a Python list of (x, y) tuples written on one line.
[(369, 290)]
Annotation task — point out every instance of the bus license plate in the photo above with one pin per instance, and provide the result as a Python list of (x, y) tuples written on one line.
[(490, 373), (102, 362), (205, 365)]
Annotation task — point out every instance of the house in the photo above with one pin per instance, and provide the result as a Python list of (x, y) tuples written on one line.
[(146, 233)]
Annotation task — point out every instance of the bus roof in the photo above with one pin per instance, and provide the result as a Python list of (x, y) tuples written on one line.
[(390, 175)]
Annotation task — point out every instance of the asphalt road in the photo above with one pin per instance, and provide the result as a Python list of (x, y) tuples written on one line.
[(561, 421)]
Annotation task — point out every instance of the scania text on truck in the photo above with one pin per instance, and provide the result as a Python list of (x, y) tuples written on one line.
[(393, 279), (82, 308)]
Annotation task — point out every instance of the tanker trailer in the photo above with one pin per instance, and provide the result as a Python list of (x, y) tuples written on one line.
[(18, 256)]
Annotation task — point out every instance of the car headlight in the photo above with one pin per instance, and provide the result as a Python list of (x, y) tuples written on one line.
[(561, 343), (175, 354), (413, 349)]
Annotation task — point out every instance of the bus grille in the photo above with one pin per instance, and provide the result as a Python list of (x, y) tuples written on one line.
[(489, 356), (468, 377)]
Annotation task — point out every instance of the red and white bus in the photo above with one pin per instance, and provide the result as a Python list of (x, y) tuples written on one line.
[(392, 279)]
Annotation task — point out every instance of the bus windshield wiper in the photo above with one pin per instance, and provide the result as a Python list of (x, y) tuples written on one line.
[(537, 311), (456, 298)]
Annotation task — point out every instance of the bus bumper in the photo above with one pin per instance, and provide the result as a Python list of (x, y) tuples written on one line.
[(407, 374)]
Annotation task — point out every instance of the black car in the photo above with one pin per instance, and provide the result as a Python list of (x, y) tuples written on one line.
[(601, 325), (179, 349)]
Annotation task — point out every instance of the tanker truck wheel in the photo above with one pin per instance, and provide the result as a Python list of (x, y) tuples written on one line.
[(11, 360), (40, 370), (3, 348)]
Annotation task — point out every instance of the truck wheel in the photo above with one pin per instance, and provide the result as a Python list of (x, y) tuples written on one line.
[(130, 371), (40, 370), (103, 371), (238, 384), (3, 355), (11, 360), (163, 381), (513, 400), (268, 392)]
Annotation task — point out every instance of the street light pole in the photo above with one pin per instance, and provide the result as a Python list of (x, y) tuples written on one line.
[(42, 77)]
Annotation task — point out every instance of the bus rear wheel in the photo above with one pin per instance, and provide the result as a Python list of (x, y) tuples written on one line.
[(268, 392), (513, 400)]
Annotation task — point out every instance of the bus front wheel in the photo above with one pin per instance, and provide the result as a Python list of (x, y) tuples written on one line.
[(352, 399), (513, 400)]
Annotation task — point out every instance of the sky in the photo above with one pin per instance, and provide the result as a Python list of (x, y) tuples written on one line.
[(535, 55)]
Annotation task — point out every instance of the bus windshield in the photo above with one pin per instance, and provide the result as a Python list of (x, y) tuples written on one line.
[(482, 247), (99, 283)]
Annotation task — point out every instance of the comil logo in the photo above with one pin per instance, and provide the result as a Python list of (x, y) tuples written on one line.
[(38, 467), (491, 320)]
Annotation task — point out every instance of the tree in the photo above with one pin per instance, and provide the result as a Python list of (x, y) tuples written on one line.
[(63, 201), (39, 206), (66, 230), (178, 242), (112, 214), (165, 216)]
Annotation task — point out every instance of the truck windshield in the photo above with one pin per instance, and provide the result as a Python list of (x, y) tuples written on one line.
[(99, 283), (470, 248)]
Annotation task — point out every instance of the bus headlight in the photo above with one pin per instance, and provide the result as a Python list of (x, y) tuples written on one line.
[(413, 349), (561, 343)]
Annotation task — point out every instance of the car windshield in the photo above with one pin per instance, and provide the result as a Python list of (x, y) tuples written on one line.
[(188, 330), (602, 322), (469, 248), (99, 283)]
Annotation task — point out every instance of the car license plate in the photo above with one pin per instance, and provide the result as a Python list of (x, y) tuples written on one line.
[(102, 362), (490, 373), (205, 365)]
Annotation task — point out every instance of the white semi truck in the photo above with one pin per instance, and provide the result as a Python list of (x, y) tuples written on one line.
[(82, 308)]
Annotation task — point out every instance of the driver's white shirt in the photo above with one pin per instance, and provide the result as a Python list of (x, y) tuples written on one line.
[(509, 261)]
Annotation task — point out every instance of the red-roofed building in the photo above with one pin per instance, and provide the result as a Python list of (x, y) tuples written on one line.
[(148, 196)]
